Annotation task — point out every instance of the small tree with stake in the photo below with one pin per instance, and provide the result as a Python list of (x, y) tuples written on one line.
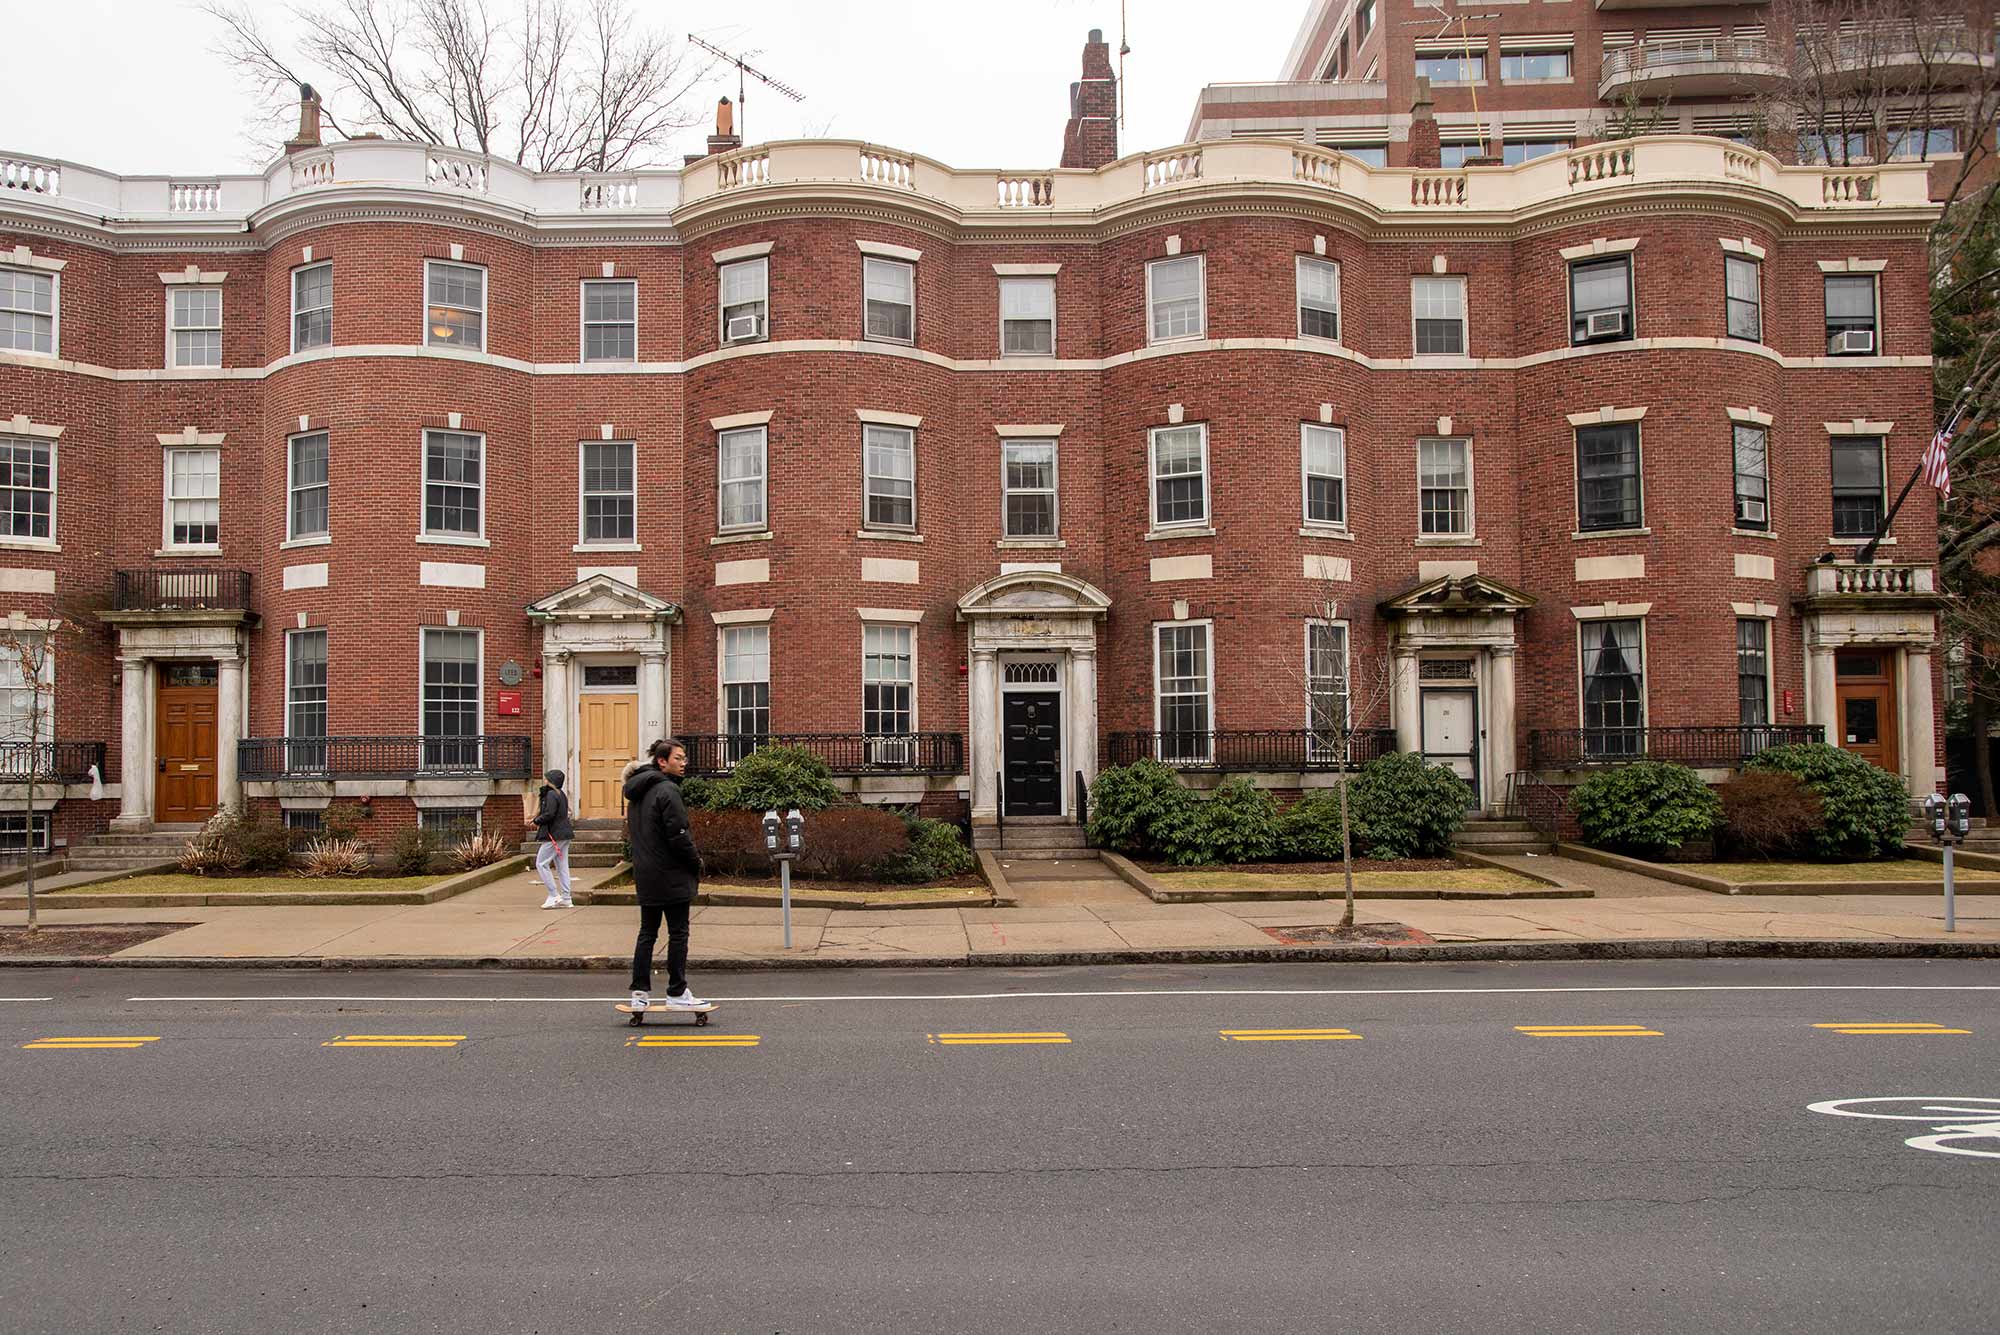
[(27, 661)]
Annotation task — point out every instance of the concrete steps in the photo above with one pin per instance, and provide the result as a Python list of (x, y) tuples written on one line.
[(123, 850), (597, 844), (1037, 837), (1484, 835)]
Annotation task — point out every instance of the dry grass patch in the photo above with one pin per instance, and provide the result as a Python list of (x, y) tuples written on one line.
[(1458, 878), (165, 883), (1895, 869)]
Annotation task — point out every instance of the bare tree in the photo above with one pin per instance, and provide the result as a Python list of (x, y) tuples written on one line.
[(559, 85), (27, 747)]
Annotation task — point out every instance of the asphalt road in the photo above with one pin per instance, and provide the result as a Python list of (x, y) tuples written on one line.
[(1445, 1171)]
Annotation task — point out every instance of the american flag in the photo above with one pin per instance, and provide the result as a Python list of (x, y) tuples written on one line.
[(1937, 463)]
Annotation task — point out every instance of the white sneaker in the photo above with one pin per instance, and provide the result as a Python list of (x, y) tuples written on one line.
[(640, 1001), (566, 903), (552, 903), (686, 1001)]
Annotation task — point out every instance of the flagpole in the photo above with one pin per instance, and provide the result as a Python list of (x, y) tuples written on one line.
[(1866, 554)]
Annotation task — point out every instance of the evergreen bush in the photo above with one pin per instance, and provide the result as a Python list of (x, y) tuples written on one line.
[(1649, 808), (1400, 807), (1865, 810), (1240, 824), (774, 778), (1141, 808), (1309, 829), (936, 853)]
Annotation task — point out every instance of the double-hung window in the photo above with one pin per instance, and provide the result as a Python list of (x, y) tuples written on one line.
[(1514, 152), (746, 689), (1438, 307), (27, 311), (312, 307), (1180, 475), (1444, 487), (608, 497), (1183, 686), (1326, 689), (740, 480), (454, 484), (451, 707), (1850, 315), (1538, 64), (1176, 298), (1319, 298), (890, 298), (611, 320), (194, 326), (1027, 317), (1614, 689), (744, 287), (454, 305), (306, 510), (889, 482), (1858, 486), (1753, 477), (305, 701), (1028, 483), (1607, 477), (27, 488), (1743, 297), (1600, 300), (194, 498), (27, 710), (1753, 676), (1323, 463), (888, 680)]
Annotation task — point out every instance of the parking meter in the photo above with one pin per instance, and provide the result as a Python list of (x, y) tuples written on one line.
[(1935, 813), (771, 831), (795, 829), (1959, 815)]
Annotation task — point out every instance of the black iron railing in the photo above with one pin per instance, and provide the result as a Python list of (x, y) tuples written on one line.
[(492, 757), (848, 754), (50, 762), (181, 588), (1531, 800), (1719, 744), (1243, 751)]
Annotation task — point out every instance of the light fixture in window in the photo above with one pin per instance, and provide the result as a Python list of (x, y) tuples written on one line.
[(447, 323)]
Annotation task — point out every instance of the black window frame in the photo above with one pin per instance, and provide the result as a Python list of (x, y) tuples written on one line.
[(1753, 665), (1837, 325), (1593, 514), (1731, 303), (1761, 478), (1851, 517)]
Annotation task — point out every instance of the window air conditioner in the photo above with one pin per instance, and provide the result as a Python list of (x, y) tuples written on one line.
[(1750, 511), (1851, 340), (892, 752), (1605, 323), (745, 326)]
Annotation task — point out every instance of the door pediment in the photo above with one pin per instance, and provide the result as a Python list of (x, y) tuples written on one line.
[(602, 598), (1038, 593), (1467, 595)]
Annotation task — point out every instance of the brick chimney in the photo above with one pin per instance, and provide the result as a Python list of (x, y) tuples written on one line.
[(308, 135), (1424, 149), (1091, 137)]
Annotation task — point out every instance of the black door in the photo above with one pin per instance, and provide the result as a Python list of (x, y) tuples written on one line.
[(1033, 722)]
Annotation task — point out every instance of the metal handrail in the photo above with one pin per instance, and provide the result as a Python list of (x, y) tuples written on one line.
[(1710, 744), (384, 757), (52, 762), (1654, 57), (1248, 750), (180, 588), (1082, 811), (1538, 803)]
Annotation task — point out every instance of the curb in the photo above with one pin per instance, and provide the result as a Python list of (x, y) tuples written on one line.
[(1160, 893), (1460, 952), (1717, 886), (451, 886)]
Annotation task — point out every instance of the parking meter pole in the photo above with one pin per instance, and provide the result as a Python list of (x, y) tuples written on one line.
[(1950, 893), (785, 894)]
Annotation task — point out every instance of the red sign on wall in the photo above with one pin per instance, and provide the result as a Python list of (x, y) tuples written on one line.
[(507, 702), (1788, 704)]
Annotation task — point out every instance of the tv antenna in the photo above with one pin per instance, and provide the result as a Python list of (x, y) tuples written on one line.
[(742, 69), (1124, 50)]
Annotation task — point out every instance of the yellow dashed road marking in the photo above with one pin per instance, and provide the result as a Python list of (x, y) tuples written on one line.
[(94, 1041), (693, 1041), (1858, 1027), (1002, 1039), (1588, 1031), (1285, 1035), (395, 1041)]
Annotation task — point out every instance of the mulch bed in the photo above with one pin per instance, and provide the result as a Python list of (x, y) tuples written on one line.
[(1362, 934), (81, 942), (1296, 868), (969, 881)]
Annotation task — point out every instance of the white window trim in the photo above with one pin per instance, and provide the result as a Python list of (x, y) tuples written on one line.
[(327, 534), (424, 534), (292, 334), (583, 541), (763, 523), (1346, 667), (763, 261), (20, 259), (1471, 496), (325, 634), (1154, 524), (1209, 625), (908, 261), (1615, 612), (916, 672), (1305, 485), (1000, 287), (1464, 316), (50, 436), (722, 682), (1055, 490), (1756, 262), (868, 526), (168, 547), (173, 362), (1299, 263), (583, 286), (1631, 295), (479, 683), (1201, 288), (424, 305)]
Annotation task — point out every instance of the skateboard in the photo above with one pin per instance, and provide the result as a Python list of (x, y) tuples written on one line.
[(700, 1013)]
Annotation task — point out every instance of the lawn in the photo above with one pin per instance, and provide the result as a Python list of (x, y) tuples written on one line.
[(171, 883), (1452, 878), (1894, 869)]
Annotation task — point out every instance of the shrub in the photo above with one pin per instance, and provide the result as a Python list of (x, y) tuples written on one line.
[(342, 820), (479, 850), (1865, 811), (776, 777), (1309, 829), (936, 853), (263, 843), (1141, 807), (334, 857), (849, 843), (698, 794), (413, 851), (1400, 807), (1768, 813), (731, 842), (1240, 824), (1648, 808)]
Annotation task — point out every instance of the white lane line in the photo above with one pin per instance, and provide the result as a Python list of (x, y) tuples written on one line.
[(27, 998), (1154, 992)]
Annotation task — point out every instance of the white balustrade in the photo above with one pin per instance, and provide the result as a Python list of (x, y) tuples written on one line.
[(1849, 188), (28, 177), (1431, 190), (312, 169), (1600, 162), (741, 169), (1317, 168), (1026, 192), (1740, 166), (455, 171), (600, 192), (885, 168), (194, 196), (1172, 168)]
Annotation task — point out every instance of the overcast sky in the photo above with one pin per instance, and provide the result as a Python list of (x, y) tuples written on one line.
[(133, 86)]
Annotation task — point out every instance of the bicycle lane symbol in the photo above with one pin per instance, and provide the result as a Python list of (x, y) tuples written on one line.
[(1968, 1126)]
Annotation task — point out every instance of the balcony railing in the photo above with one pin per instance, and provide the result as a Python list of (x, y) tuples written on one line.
[(1243, 751), (486, 757), (849, 754), (50, 762), (1721, 744), (1650, 59), (1847, 579), (181, 589)]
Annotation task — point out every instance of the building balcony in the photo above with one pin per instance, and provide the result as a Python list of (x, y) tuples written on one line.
[(847, 754), (1676, 4), (1837, 584), (1697, 67), (181, 589), (1708, 746), (267, 759), (1278, 750), (50, 762), (1903, 56)]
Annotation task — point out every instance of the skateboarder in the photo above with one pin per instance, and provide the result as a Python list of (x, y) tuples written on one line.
[(554, 829), (666, 869)]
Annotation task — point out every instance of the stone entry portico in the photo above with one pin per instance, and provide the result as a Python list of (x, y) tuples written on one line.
[(601, 618), (148, 638)]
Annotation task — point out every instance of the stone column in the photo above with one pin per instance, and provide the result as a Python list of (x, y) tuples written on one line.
[(1820, 692), (1919, 740), (228, 731), (653, 704), (1500, 720), (135, 749), (983, 745), (558, 707), (1409, 734), (1082, 756)]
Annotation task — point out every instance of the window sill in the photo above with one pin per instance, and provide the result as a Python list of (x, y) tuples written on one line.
[(897, 342), (1763, 533), (724, 539), (1587, 536), (1452, 541), (881, 535), (1326, 531), (317, 540), (1169, 534), (584, 548), (1603, 342), (1857, 542), (1532, 83), (607, 361), (446, 540), (453, 347), (29, 545), (1030, 544), (187, 551), (1177, 338)]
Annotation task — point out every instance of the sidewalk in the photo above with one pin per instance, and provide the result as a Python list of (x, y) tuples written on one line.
[(1056, 922)]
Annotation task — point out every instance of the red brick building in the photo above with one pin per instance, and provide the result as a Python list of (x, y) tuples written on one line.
[(396, 473)]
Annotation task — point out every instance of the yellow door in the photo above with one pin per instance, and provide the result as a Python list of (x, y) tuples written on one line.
[(610, 738)]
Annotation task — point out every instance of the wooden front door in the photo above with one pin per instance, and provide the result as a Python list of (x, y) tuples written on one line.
[(1865, 705), (184, 743), (608, 739)]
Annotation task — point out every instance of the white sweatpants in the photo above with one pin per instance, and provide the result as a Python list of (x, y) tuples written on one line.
[(554, 853)]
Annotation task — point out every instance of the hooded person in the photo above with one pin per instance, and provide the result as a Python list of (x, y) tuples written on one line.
[(666, 869), (553, 831)]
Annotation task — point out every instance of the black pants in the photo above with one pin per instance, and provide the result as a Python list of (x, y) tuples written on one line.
[(677, 946)]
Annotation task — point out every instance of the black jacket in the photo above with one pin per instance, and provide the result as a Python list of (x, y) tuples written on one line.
[(552, 820), (666, 869)]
